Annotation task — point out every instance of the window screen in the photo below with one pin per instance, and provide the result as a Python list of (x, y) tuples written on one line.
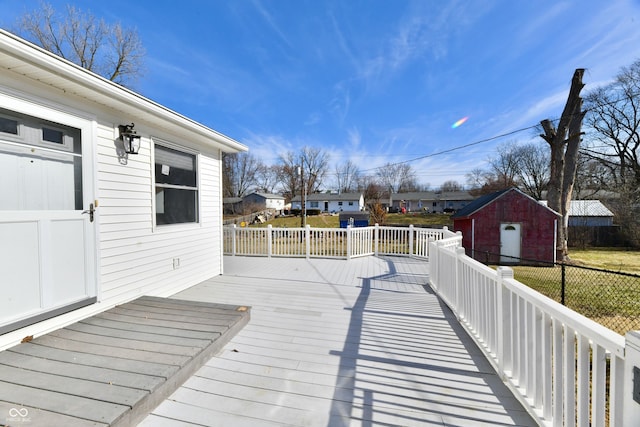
[(176, 186)]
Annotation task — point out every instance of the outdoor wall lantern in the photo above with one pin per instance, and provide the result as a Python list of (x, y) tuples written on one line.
[(130, 139)]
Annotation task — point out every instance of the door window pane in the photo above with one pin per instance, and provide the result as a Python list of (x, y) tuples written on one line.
[(52, 135), (8, 126)]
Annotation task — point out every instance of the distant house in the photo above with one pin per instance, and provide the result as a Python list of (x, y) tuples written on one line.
[(507, 226), (263, 201), (431, 201), (331, 202), (588, 213)]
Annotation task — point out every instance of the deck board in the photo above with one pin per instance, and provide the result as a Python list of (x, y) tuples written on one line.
[(112, 369), (339, 343)]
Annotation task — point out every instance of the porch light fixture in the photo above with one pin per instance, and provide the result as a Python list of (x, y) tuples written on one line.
[(130, 139)]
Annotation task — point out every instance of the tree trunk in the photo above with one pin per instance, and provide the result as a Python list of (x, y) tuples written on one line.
[(564, 163)]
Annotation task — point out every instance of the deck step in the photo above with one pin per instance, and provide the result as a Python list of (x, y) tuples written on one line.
[(114, 368)]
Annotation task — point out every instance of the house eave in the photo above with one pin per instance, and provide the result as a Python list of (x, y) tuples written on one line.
[(28, 60)]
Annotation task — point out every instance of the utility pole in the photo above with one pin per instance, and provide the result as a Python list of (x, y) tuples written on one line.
[(303, 199)]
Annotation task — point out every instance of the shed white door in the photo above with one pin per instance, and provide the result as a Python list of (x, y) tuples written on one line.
[(510, 242), (47, 245)]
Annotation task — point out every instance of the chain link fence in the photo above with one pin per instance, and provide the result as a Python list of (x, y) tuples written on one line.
[(610, 298)]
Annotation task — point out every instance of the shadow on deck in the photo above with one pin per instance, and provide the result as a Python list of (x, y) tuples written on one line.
[(408, 361), (112, 369)]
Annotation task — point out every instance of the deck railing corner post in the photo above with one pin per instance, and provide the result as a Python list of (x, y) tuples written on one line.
[(234, 230), (458, 278), (376, 238), (307, 238), (269, 240), (410, 239), (349, 235)]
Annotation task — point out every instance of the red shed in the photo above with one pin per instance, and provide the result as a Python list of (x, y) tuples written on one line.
[(507, 226)]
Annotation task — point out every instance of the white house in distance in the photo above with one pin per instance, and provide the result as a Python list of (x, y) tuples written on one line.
[(264, 201), (331, 202), (84, 225)]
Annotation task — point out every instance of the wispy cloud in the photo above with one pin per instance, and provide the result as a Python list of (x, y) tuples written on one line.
[(269, 19)]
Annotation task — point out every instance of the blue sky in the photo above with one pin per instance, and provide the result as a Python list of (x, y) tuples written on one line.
[(372, 81)]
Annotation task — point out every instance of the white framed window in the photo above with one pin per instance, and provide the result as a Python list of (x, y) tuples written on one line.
[(350, 203), (314, 204), (339, 203), (176, 185)]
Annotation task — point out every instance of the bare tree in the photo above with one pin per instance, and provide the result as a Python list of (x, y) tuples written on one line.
[(532, 171), (110, 50), (288, 176), (397, 177), (240, 173), (307, 168), (347, 175), (451, 185), (504, 166), (476, 178), (614, 121), (614, 116), (564, 142), (267, 178)]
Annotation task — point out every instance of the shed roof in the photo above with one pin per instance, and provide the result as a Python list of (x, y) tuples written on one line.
[(26, 59), (483, 201), (586, 208), (267, 195)]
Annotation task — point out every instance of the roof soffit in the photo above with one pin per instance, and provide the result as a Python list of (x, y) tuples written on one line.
[(27, 60)]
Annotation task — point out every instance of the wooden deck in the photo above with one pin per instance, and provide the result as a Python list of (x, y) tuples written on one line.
[(112, 369), (338, 343)]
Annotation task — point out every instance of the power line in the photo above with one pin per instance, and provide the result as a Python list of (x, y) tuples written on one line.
[(499, 136), (458, 148)]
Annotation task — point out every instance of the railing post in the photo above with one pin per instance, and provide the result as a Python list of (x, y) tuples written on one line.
[(307, 235), (631, 407), (410, 239), (269, 240), (348, 242), (563, 283), (458, 277), (434, 253), (233, 240), (376, 237), (503, 319)]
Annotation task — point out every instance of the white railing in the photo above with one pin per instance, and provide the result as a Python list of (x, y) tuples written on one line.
[(567, 370), (345, 243)]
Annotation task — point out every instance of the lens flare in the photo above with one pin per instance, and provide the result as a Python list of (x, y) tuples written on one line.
[(459, 122)]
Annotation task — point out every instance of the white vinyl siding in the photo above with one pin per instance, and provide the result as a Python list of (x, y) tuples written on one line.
[(135, 258)]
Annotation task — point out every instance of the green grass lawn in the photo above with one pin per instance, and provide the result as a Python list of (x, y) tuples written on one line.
[(332, 221), (610, 299), (615, 259)]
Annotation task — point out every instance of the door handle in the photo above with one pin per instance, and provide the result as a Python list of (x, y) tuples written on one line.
[(90, 211)]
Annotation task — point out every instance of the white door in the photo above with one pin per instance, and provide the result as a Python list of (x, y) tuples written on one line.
[(509, 243), (47, 264)]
